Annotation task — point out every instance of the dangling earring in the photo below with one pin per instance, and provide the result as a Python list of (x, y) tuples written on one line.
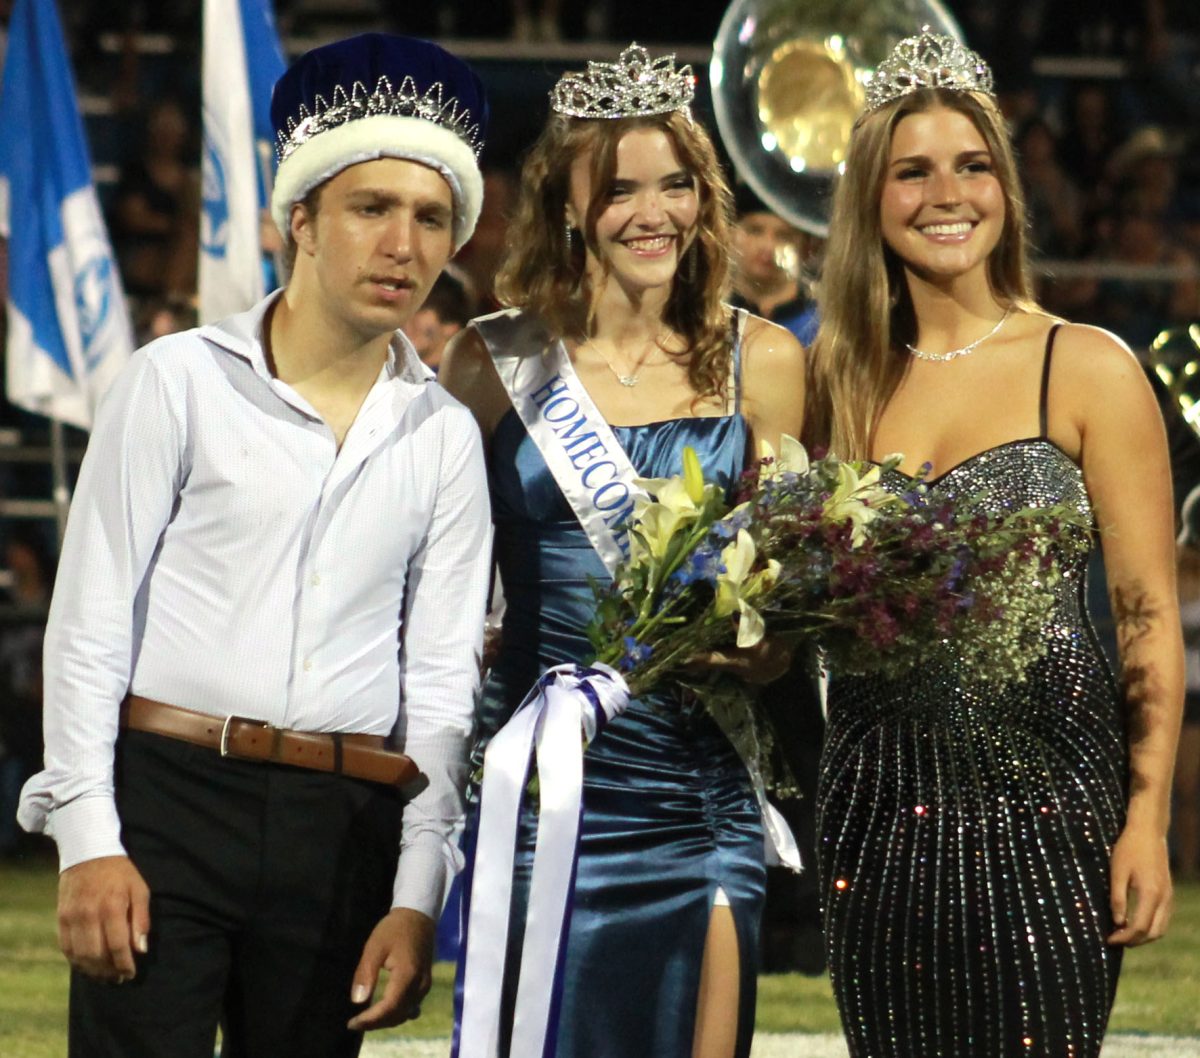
[(570, 244)]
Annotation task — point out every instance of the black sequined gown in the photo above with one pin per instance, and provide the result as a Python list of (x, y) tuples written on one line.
[(964, 836)]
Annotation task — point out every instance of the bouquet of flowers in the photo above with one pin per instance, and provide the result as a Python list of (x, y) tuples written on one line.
[(820, 551)]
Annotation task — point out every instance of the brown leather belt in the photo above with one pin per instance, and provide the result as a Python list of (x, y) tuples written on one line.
[(355, 756)]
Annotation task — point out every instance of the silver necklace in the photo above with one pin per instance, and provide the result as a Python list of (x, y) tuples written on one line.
[(633, 378), (953, 354)]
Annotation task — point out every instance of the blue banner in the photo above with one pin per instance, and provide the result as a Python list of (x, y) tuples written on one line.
[(69, 331)]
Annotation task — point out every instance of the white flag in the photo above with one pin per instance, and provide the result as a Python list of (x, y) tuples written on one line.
[(68, 325), (242, 61)]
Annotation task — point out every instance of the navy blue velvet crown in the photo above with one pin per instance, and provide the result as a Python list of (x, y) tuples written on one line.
[(355, 78)]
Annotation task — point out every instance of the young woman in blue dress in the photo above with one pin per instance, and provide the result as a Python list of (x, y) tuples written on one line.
[(618, 273)]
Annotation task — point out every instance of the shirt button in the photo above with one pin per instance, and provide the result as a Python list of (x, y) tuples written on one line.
[(308, 665), (316, 579)]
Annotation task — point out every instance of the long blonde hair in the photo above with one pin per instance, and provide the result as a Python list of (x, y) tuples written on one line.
[(856, 361), (544, 271)]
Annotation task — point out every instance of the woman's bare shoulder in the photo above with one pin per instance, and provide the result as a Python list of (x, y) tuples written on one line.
[(770, 345)]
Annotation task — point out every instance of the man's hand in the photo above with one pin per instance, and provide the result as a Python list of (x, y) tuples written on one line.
[(1139, 870), (103, 917), (402, 944)]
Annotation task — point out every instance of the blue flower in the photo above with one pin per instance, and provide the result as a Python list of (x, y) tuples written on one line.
[(729, 526), (635, 654), (703, 564)]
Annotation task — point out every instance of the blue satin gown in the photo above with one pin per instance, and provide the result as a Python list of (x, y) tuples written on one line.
[(670, 815)]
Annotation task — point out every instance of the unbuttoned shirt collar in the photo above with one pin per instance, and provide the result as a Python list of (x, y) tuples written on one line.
[(243, 335)]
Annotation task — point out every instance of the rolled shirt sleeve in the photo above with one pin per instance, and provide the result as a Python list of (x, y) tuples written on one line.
[(439, 665)]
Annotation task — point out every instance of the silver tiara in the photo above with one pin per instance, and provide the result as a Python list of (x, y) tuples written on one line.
[(931, 60), (633, 86), (406, 101)]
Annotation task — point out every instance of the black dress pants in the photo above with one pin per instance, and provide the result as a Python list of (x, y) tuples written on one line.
[(265, 882)]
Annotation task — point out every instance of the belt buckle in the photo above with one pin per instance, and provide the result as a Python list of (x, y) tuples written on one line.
[(223, 746)]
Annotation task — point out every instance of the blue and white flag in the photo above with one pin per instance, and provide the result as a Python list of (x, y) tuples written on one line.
[(242, 62), (68, 327)]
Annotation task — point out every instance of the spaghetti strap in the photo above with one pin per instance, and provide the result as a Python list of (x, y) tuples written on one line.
[(739, 327), (1044, 399)]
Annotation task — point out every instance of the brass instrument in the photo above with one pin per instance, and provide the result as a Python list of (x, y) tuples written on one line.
[(1175, 359), (787, 84)]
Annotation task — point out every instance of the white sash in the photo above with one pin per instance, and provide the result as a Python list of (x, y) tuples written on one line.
[(579, 447)]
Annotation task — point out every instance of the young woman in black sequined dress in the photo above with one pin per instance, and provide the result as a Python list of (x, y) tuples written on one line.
[(986, 855)]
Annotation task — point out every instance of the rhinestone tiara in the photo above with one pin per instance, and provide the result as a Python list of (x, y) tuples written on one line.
[(633, 86), (930, 60), (406, 101)]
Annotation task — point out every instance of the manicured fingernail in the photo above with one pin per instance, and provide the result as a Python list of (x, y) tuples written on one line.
[(359, 995), (141, 943)]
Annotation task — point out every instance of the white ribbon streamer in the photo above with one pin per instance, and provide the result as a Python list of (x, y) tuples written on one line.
[(568, 705), (737, 725)]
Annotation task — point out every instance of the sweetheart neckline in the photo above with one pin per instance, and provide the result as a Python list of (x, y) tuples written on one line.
[(988, 451)]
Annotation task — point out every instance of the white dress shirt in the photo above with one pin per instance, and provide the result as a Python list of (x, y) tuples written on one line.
[(223, 555)]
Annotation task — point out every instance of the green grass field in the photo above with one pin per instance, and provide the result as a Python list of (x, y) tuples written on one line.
[(1158, 994)]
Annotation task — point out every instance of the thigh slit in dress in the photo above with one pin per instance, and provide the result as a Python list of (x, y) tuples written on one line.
[(670, 816)]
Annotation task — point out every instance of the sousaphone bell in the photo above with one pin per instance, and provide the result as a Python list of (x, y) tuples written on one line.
[(788, 82)]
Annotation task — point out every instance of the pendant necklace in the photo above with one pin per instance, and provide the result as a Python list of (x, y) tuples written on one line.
[(953, 354), (631, 379)]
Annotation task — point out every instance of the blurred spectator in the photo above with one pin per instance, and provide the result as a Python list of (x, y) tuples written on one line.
[(770, 260), (29, 570), (1145, 169), (1133, 308), (447, 310), (158, 317), (156, 209), (1051, 197), (1090, 135), (481, 257)]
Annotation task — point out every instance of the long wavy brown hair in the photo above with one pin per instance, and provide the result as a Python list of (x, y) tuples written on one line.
[(544, 270), (857, 359)]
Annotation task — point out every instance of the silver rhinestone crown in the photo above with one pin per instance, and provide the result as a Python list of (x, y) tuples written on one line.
[(406, 101), (931, 60), (633, 86)]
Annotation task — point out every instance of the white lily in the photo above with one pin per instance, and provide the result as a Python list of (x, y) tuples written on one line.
[(792, 457), (737, 585), (856, 498), (677, 502)]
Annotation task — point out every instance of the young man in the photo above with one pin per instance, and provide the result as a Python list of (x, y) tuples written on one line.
[(770, 254), (251, 621)]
